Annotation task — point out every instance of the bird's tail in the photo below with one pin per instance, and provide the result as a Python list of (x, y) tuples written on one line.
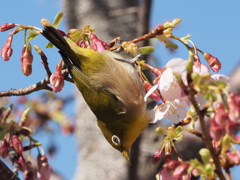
[(52, 34)]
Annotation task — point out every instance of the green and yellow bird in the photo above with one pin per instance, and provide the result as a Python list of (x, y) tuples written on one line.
[(112, 89)]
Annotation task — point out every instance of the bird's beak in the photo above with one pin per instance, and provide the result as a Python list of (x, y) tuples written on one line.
[(126, 155)]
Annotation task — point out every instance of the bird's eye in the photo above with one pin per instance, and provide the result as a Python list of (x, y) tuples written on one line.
[(116, 140)]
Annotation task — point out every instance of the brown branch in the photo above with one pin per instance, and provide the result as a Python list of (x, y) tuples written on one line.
[(6, 114), (45, 64), (195, 132), (158, 31), (35, 87), (205, 135), (27, 90), (6, 173)]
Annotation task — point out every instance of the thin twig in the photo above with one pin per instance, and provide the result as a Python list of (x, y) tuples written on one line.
[(228, 174), (206, 137), (45, 64), (27, 90), (195, 132), (6, 114), (158, 31)]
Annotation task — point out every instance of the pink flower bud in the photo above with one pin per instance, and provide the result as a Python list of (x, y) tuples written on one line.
[(28, 173), (165, 174), (44, 169), (61, 32), (234, 107), (97, 44), (181, 170), (155, 95), (221, 117), (26, 60), (4, 149), (216, 132), (83, 44), (68, 128), (236, 139), (233, 157), (171, 164), (7, 49), (16, 144), (157, 157), (6, 26), (21, 162), (57, 79), (213, 62)]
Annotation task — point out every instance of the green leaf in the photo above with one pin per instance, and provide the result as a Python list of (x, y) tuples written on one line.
[(4, 128), (146, 50), (57, 19), (32, 34), (49, 45)]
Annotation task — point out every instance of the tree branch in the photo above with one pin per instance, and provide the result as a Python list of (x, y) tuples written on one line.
[(6, 173), (206, 137)]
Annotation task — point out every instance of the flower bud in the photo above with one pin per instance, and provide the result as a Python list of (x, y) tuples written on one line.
[(157, 157), (26, 60), (82, 44), (165, 174), (28, 173), (4, 148), (6, 26), (181, 170), (21, 162), (97, 44), (45, 22), (236, 139), (7, 49), (61, 32), (16, 144), (171, 164), (57, 79), (234, 107), (176, 21), (205, 155), (44, 169), (233, 157), (216, 131), (213, 62), (24, 117), (25, 131)]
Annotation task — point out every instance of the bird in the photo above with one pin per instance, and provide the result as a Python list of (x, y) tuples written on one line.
[(112, 89)]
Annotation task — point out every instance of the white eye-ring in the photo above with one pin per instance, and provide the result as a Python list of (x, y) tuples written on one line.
[(116, 140)]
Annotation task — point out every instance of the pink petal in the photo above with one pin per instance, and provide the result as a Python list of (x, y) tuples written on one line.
[(177, 64), (202, 70), (220, 77)]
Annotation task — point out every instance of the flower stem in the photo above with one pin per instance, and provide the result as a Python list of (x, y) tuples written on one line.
[(206, 137)]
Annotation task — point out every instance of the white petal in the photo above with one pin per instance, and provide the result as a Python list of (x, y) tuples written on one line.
[(220, 77), (177, 64), (175, 113), (160, 111), (150, 92), (171, 91)]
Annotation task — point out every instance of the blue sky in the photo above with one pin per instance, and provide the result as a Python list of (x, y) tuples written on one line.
[(214, 26)]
